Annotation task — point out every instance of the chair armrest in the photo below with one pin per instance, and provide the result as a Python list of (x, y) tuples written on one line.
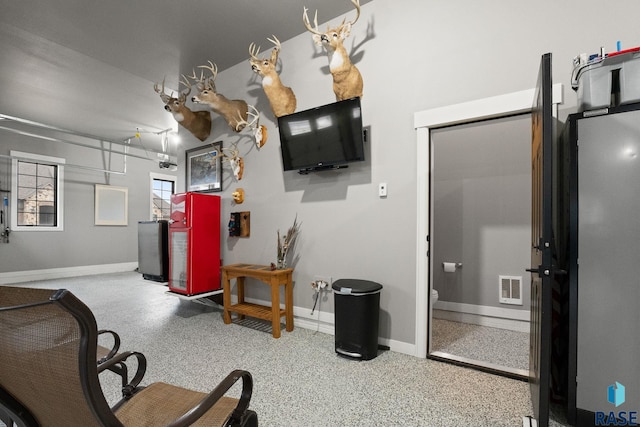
[(12, 411), (116, 345), (205, 404), (129, 389)]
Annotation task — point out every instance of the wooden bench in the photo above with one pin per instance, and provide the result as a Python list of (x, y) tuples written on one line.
[(263, 273)]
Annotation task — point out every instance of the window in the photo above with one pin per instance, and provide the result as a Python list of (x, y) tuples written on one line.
[(162, 187), (36, 192)]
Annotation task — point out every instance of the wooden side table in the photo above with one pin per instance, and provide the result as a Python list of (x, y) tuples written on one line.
[(275, 278)]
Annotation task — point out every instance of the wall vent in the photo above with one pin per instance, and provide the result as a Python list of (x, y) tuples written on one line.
[(510, 290)]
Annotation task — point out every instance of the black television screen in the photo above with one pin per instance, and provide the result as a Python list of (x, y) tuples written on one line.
[(324, 137)]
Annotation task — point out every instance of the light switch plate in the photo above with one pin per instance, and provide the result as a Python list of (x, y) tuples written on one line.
[(382, 189)]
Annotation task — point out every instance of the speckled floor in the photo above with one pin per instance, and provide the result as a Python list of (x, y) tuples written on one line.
[(499, 346), (298, 379)]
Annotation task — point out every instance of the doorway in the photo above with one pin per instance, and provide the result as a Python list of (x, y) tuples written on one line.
[(480, 230), (425, 122)]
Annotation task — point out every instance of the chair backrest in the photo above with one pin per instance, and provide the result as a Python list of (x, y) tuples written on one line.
[(48, 341)]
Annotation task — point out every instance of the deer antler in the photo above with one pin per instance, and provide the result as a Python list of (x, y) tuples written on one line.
[(199, 80), (356, 3), (276, 49), (236, 162), (275, 41), (254, 52), (163, 96), (212, 67), (233, 153), (256, 115), (307, 24), (155, 87), (185, 81), (242, 123), (214, 72), (259, 131), (195, 78)]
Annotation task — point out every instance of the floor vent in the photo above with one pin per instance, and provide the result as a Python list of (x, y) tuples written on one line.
[(510, 290)]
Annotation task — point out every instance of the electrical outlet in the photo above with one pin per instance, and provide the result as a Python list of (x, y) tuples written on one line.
[(325, 279)]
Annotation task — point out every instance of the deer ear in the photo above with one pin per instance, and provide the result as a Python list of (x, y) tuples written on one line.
[(345, 30)]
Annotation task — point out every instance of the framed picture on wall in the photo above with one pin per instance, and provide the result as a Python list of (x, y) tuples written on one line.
[(204, 168), (111, 205)]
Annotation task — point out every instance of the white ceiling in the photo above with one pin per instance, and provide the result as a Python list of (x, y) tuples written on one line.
[(89, 66)]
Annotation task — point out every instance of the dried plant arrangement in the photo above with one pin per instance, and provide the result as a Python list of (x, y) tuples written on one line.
[(286, 242)]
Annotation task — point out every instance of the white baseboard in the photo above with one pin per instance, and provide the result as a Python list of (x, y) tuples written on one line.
[(60, 273), (320, 321), (495, 317), (325, 322)]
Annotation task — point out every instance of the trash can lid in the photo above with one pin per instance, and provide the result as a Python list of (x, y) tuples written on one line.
[(356, 286)]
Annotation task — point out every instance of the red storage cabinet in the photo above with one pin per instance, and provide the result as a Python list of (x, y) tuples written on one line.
[(194, 243)]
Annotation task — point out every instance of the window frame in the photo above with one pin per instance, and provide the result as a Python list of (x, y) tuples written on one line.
[(158, 176), (17, 156)]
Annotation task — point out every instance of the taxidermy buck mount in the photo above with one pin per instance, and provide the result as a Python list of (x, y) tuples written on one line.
[(281, 97), (347, 80), (234, 111), (258, 131), (236, 162), (196, 122)]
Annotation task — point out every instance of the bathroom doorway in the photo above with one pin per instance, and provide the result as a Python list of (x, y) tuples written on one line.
[(480, 234), (484, 110)]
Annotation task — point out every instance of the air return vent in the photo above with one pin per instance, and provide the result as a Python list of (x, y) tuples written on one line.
[(510, 290)]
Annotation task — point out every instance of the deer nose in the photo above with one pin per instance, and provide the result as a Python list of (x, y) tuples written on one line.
[(166, 107), (193, 99), (324, 38), (254, 68)]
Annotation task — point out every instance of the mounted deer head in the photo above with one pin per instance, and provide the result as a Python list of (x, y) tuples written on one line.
[(281, 97), (236, 162), (347, 80), (196, 122), (259, 131), (229, 109)]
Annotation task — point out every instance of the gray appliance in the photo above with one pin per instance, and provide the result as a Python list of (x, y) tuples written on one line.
[(603, 263), (153, 250)]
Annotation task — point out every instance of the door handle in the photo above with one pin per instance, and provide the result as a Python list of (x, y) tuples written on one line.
[(545, 272)]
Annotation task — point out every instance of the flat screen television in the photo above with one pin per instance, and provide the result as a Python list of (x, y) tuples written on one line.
[(325, 137)]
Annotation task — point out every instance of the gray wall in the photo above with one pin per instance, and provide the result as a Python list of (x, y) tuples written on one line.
[(81, 243), (423, 55), (481, 209)]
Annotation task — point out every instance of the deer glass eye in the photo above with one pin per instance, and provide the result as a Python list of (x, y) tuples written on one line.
[(335, 35), (265, 62)]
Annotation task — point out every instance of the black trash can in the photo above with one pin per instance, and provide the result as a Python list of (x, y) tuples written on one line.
[(357, 313)]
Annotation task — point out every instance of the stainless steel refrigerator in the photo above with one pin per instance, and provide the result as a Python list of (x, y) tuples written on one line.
[(603, 264), (153, 250)]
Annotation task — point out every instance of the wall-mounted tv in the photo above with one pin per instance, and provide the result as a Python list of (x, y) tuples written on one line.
[(326, 137)]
